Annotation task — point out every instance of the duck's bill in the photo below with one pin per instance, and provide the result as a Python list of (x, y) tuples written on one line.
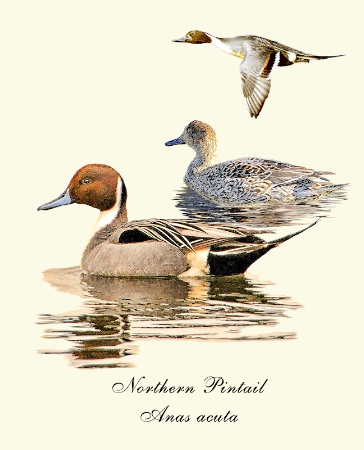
[(63, 199), (177, 141), (182, 39)]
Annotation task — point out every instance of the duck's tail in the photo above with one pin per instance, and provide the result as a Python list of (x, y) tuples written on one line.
[(333, 187), (305, 193), (306, 57), (233, 260), (278, 241), (337, 190)]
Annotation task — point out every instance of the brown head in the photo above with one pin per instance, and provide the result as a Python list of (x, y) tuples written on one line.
[(96, 185), (201, 137), (195, 37)]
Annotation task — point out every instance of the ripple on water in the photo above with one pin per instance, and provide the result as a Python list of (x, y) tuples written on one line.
[(117, 311), (262, 215)]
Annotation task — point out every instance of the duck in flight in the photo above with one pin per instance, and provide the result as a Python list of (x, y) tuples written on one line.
[(260, 57)]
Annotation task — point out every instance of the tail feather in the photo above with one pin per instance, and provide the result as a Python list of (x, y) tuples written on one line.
[(333, 187), (303, 192), (278, 241), (303, 57), (237, 262)]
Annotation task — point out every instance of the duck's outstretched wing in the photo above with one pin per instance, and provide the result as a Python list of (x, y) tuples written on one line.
[(255, 72)]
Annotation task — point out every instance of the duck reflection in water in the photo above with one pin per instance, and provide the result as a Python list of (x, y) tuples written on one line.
[(117, 311), (259, 216)]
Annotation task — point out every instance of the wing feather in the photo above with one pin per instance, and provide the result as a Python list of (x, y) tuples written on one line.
[(256, 71), (186, 235)]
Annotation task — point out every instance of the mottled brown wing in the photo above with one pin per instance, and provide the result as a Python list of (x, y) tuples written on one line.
[(255, 71), (276, 172)]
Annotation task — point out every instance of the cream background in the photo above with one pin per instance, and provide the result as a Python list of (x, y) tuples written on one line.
[(86, 81)]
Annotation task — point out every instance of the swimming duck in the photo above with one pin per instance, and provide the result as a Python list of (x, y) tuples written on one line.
[(154, 247), (246, 180), (260, 57)]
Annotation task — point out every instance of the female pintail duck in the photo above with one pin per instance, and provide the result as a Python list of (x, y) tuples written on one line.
[(246, 180), (260, 56), (154, 247)]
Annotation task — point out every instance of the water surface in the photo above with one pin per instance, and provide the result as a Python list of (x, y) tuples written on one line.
[(116, 311), (262, 215)]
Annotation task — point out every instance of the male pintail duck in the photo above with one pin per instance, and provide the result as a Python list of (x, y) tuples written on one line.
[(154, 247), (260, 56), (246, 180)]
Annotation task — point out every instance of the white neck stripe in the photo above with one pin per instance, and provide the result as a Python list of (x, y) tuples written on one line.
[(217, 43), (106, 217)]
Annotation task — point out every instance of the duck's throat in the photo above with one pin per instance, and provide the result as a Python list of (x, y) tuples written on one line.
[(118, 211), (205, 157)]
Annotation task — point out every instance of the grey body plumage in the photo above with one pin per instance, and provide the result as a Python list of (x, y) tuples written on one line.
[(246, 180), (260, 56)]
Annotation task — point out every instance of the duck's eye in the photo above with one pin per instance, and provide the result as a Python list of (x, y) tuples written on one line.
[(86, 180)]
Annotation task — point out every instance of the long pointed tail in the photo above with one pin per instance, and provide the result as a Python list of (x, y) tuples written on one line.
[(238, 261), (305, 57), (278, 241)]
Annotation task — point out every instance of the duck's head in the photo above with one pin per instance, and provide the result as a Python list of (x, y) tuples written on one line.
[(197, 135), (96, 185), (195, 37)]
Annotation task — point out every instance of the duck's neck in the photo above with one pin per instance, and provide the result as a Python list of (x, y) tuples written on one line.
[(205, 157), (219, 43), (118, 213), (233, 46)]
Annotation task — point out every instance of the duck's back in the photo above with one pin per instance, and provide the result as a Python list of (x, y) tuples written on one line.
[(251, 180), (240, 46)]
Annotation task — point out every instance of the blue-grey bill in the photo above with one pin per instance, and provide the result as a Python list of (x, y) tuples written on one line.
[(63, 199), (177, 141)]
